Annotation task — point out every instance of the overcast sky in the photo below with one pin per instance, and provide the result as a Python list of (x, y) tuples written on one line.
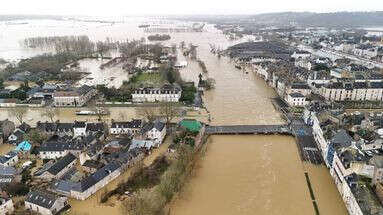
[(137, 7)]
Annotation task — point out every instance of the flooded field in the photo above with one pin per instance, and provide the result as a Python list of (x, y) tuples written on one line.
[(113, 76)]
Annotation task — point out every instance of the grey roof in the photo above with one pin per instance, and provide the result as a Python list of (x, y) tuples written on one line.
[(150, 125), (84, 89), (7, 171), (7, 157), (79, 124), (55, 126), (342, 138), (61, 144), (100, 174), (61, 164), (42, 199), (19, 135), (94, 127), (24, 127), (135, 123), (300, 86), (296, 95)]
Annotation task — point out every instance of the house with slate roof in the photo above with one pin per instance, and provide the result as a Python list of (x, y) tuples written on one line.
[(9, 159), (7, 174), (128, 127), (18, 134), (296, 100), (44, 203), (155, 131), (57, 147), (55, 128), (91, 184), (59, 168)]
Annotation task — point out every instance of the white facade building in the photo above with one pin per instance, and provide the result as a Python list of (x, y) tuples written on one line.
[(296, 100), (358, 91), (167, 93)]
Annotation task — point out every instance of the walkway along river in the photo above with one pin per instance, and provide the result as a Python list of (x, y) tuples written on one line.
[(251, 174)]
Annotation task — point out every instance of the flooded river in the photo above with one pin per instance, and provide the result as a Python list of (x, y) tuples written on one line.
[(249, 174), (239, 174)]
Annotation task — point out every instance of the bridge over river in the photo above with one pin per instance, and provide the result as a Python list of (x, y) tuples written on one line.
[(308, 149), (248, 129)]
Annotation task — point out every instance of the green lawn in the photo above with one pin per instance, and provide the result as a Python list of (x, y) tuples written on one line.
[(149, 78)]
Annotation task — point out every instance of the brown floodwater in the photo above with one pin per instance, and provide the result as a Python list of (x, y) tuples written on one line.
[(249, 174)]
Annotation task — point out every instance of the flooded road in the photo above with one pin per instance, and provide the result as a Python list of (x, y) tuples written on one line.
[(69, 115), (110, 76)]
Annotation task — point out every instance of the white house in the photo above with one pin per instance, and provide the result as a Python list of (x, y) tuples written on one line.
[(301, 88), (296, 100), (129, 127), (303, 63), (357, 91), (44, 203), (79, 128), (154, 131)]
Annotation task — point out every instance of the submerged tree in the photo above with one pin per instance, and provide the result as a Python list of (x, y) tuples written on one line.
[(150, 113), (19, 113), (169, 111), (50, 113)]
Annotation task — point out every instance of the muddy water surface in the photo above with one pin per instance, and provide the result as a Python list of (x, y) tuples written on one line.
[(247, 175)]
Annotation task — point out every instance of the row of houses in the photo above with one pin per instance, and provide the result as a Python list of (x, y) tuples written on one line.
[(355, 164), (167, 93), (77, 128)]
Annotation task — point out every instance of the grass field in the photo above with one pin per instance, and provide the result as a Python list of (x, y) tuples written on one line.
[(149, 78)]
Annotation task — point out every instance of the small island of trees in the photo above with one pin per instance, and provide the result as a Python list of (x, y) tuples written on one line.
[(159, 37)]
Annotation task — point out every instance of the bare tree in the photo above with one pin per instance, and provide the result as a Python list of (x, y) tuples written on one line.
[(102, 48), (150, 113), (169, 111), (50, 113), (101, 110), (122, 116), (19, 113)]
